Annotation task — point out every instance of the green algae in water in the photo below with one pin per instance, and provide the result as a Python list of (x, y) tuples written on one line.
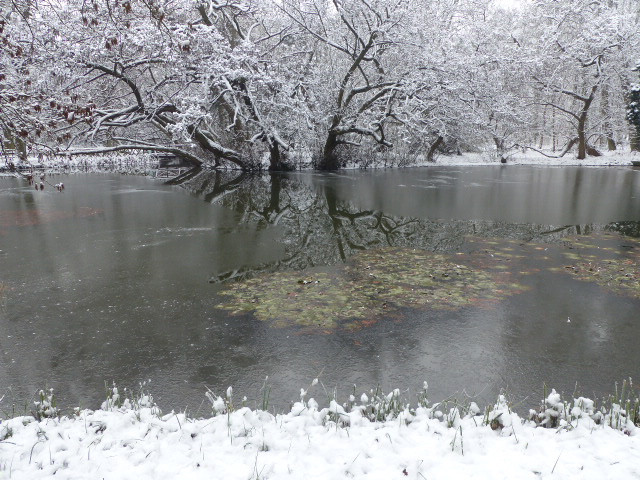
[(373, 284)]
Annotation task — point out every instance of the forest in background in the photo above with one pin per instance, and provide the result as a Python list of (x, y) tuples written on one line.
[(253, 84)]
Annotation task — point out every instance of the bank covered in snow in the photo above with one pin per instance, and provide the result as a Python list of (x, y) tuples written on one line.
[(374, 437), (147, 164)]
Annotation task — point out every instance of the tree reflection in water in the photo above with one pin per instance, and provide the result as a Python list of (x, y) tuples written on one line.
[(410, 262)]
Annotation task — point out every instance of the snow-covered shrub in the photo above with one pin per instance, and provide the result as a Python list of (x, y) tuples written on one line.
[(451, 411), (498, 416), (338, 414), (582, 409), (303, 392), (423, 399), (5, 432), (623, 412), (620, 411), (114, 401)]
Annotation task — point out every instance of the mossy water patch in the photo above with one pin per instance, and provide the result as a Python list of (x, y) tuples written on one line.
[(373, 284), (610, 260), (303, 298), (606, 258), (378, 283)]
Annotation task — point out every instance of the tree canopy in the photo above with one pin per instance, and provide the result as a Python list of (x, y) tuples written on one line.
[(252, 84)]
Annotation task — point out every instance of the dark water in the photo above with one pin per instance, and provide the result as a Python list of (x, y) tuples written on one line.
[(118, 279)]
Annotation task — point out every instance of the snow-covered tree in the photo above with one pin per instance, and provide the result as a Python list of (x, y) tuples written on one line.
[(254, 83), (574, 53), (633, 112)]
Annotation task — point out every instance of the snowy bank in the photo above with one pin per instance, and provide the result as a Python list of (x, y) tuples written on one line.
[(147, 164), (607, 159), (134, 441), (139, 164)]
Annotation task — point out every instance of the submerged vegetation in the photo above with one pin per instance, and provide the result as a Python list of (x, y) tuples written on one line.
[(612, 265), (379, 282), (371, 284), (24, 218)]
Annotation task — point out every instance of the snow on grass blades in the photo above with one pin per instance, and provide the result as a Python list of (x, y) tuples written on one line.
[(374, 435), (45, 406), (619, 410), (372, 284)]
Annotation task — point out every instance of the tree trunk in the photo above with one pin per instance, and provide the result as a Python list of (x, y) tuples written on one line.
[(499, 142), (582, 142), (568, 147), (608, 131), (329, 160), (433, 148), (554, 132), (582, 122), (275, 157), (276, 163)]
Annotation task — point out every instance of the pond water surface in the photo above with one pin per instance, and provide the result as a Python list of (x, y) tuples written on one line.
[(474, 279)]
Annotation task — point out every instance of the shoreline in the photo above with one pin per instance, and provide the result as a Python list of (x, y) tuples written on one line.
[(149, 163), (135, 440)]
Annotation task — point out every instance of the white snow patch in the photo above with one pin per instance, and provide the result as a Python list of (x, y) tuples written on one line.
[(138, 443)]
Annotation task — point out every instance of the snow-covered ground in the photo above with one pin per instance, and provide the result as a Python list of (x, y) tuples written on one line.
[(145, 163), (138, 163), (135, 441), (533, 158)]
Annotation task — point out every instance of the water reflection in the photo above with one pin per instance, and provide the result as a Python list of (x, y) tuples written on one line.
[(109, 281), (322, 222)]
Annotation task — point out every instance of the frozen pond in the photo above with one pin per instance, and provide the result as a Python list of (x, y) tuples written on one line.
[(123, 279)]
